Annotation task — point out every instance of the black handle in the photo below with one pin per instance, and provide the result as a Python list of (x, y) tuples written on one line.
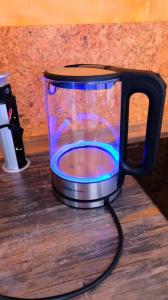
[(153, 86)]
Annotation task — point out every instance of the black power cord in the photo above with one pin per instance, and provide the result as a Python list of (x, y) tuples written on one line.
[(98, 280)]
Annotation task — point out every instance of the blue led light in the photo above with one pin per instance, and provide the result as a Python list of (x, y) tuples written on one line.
[(87, 86), (82, 144), (80, 118)]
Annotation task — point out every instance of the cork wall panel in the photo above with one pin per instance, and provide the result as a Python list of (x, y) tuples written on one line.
[(26, 52)]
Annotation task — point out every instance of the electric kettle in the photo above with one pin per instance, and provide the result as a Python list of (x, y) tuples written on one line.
[(88, 112)]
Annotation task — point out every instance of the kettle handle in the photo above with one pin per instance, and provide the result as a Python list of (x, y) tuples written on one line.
[(153, 86)]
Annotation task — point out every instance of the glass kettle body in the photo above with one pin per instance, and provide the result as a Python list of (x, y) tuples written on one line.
[(88, 111)]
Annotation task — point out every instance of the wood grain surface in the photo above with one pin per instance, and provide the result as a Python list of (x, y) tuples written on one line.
[(47, 248)]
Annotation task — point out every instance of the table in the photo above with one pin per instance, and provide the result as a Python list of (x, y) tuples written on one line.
[(47, 248)]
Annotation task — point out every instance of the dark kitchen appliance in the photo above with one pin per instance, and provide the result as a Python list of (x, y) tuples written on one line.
[(11, 134)]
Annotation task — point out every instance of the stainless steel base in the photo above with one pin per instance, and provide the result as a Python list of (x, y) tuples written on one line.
[(86, 204), (85, 195), (85, 191)]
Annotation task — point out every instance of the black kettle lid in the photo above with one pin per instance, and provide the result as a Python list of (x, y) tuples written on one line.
[(82, 73)]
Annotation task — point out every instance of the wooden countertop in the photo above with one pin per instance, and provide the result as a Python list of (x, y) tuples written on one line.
[(48, 248)]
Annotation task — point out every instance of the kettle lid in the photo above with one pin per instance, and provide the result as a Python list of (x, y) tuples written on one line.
[(82, 73)]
